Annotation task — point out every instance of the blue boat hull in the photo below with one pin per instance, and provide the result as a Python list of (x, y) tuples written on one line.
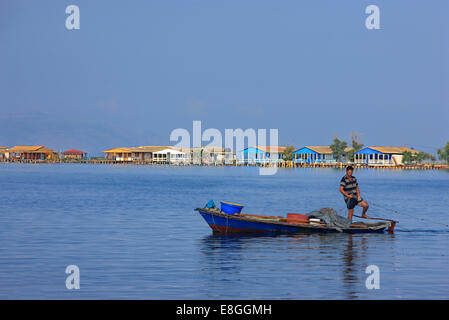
[(225, 223)]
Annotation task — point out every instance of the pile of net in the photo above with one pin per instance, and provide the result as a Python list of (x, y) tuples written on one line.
[(332, 219)]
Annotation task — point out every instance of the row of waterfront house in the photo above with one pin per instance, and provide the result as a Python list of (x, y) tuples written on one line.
[(371, 155), (38, 153)]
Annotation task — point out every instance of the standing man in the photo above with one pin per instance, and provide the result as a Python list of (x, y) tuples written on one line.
[(349, 188)]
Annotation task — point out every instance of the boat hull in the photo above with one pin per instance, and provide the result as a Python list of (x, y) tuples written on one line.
[(221, 222)]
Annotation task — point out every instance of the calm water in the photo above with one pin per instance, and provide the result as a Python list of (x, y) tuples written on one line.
[(133, 233)]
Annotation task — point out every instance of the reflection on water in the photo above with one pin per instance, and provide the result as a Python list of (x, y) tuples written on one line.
[(316, 259), (349, 271)]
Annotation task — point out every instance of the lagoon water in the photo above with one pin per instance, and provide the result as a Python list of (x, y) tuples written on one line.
[(133, 234)]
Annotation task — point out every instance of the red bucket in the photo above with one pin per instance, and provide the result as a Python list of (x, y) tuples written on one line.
[(297, 218)]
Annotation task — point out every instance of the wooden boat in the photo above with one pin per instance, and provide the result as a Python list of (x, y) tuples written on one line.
[(225, 223)]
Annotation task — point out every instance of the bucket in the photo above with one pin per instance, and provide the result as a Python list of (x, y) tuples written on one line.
[(297, 218), (230, 208)]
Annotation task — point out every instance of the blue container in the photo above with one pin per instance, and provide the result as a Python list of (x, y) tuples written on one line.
[(231, 208)]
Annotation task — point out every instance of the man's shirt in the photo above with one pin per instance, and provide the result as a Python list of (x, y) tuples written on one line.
[(349, 186)]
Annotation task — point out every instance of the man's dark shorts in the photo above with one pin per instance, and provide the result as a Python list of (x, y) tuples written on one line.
[(352, 202)]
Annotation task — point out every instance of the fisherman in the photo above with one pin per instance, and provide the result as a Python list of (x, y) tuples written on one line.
[(349, 188)]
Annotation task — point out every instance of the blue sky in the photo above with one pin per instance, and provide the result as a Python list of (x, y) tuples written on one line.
[(136, 70)]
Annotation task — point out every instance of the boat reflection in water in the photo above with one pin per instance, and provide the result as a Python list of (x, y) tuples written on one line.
[(298, 266)]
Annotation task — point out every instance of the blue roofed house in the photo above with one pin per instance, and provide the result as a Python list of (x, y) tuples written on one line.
[(317, 154), (381, 155), (261, 154)]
